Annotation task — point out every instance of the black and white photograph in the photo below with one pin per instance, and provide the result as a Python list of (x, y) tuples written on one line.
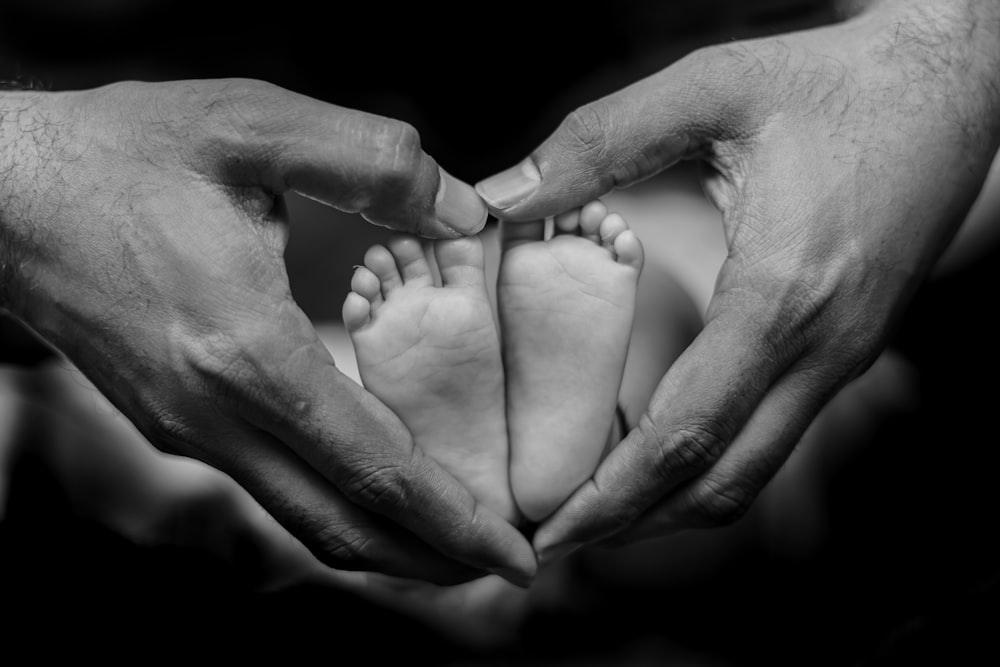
[(651, 334)]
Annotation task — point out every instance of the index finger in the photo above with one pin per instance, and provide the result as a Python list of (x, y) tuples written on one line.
[(356, 161)]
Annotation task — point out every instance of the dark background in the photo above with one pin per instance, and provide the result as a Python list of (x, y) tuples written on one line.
[(908, 576)]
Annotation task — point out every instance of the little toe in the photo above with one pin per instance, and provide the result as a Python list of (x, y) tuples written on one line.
[(366, 284), (355, 312), (411, 259), (380, 261), (461, 261), (628, 249), (591, 216), (612, 225), (620, 240)]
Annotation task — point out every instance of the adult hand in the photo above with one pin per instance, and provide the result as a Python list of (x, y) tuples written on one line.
[(843, 159), (143, 233)]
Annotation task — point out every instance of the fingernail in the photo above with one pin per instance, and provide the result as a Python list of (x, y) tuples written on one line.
[(515, 577), (510, 187), (556, 552), (458, 206)]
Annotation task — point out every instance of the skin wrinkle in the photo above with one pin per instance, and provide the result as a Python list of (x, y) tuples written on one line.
[(475, 340), (586, 287), (759, 336), (628, 168), (855, 157), (836, 119), (233, 372), (158, 219), (398, 152), (381, 486), (690, 450), (720, 502), (589, 126), (239, 153), (350, 549)]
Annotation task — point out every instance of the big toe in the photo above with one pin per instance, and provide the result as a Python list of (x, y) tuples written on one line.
[(461, 261)]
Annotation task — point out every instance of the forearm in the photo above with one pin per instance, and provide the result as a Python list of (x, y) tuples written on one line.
[(940, 61), (959, 39), (35, 191), (974, 9), (9, 252), (14, 163)]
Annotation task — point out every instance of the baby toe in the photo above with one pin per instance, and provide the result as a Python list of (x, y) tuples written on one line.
[(411, 259)]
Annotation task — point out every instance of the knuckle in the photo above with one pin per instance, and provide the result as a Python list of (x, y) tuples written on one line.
[(239, 355), (681, 451), (399, 155), (789, 312), (601, 135), (698, 447), (382, 488), (345, 548), (169, 432), (587, 128), (716, 503), (222, 361), (253, 365)]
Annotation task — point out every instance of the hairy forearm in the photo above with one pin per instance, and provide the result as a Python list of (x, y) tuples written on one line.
[(13, 165), (846, 9), (956, 37), (26, 137), (949, 51), (10, 253)]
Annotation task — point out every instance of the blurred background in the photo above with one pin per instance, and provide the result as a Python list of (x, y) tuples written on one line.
[(885, 554)]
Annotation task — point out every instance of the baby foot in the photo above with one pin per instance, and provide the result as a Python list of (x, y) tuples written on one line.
[(427, 346), (566, 307)]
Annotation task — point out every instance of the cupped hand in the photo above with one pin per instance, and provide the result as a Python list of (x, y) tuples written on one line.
[(843, 159), (143, 234)]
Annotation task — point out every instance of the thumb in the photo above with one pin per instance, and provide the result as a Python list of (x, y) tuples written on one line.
[(613, 142)]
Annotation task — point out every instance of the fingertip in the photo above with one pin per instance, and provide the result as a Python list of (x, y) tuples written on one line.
[(510, 187), (459, 207)]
